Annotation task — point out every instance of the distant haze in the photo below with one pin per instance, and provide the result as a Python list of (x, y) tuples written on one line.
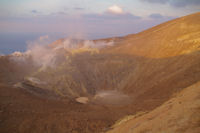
[(22, 20), (17, 41)]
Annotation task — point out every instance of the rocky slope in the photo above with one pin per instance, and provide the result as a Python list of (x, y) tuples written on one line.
[(173, 38), (179, 114), (116, 76)]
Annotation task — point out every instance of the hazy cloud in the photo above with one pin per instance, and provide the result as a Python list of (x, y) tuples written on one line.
[(156, 1), (34, 11), (110, 16), (175, 3), (156, 16), (115, 9), (88, 25), (78, 8), (58, 14), (183, 3)]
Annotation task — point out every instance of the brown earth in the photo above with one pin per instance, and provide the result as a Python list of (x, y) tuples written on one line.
[(148, 67), (179, 114)]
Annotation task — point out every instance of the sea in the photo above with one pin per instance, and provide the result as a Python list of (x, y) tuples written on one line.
[(11, 42)]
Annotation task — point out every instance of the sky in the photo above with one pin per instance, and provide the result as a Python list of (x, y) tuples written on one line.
[(73, 17), (88, 18)]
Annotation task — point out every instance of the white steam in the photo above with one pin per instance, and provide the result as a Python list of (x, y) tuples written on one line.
[(18, 57), (44, 54), (111, 97), (39, 51), (71, 44), (41, 54), (98, 45)]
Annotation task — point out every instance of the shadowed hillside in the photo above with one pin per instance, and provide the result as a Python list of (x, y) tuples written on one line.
[(179, 114)]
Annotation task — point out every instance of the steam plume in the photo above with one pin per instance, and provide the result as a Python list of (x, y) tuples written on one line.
[(44, 54)]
